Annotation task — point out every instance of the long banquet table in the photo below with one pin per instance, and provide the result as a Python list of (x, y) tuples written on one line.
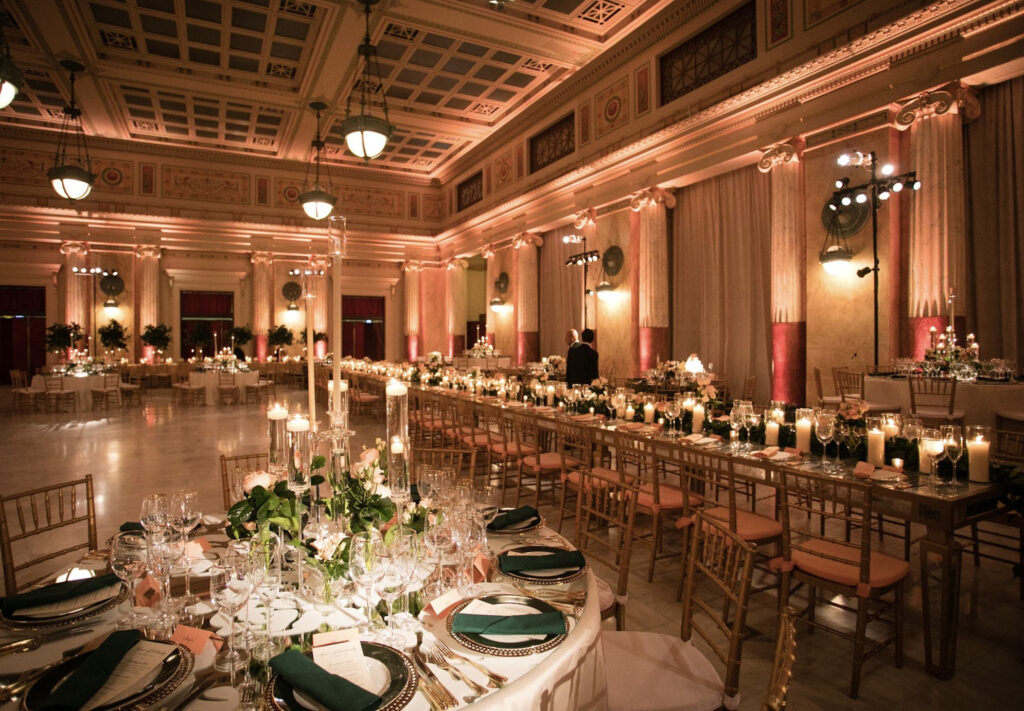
[(939, 552), (980, 401)]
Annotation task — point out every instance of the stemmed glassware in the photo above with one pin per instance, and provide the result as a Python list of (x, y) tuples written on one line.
[(751, 419), (184, 513), (824, 429), (953, 448), (935, 449), (842, 431), (154, 512), (266, 573), (394, 566), (361, 568), (164, 552), (129, 553), (672, 410), (438, 540), (231, 585), (736, 420), (470, 535)]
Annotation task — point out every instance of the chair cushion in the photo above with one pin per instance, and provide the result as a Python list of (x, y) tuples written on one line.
[(481, 439), (548, 461), (670, 498), (513, 449), (650, 672), (749, 525), (883, 406), (937, 413), (884, 570), (573, 477)]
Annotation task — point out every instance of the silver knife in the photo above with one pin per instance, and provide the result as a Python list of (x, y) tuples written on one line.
[(444, 697), (30, 643)]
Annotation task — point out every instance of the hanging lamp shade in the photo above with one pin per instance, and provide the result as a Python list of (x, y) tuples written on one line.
[(366, 135), (11, 78), (317, 202), (835, 254), (71, 175)]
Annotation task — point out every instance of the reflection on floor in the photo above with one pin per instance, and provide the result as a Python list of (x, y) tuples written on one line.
[(160, 447)]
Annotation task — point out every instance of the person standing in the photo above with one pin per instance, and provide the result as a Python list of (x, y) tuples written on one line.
[(588, 358), (572, 340)]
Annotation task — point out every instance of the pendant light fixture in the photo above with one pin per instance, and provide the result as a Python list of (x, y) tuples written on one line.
[(71, 175), (317, 202), (366, 135), (11, 78)]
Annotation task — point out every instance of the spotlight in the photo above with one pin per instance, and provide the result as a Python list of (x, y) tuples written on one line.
[(842, 183), (883, 194), (861, 198), (844, 160), (897, 187), (864, 271), (832, 205), (887, 169), (916, 185), (846, 201)]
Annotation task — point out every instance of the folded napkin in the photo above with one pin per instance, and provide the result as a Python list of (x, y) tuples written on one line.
[(767, 453), (331, 690), (92, 673), (543, 623), (54, 593), (697, 437), (549, 561), (509, 518), (132, 526)]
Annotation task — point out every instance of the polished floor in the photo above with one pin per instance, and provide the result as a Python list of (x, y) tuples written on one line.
[(160, 446)]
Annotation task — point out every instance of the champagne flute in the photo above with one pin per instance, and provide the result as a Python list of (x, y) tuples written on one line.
[(824, 429), (163, 552), (154, 512), (736, 423), (184, 514), (230, 588), (129, 554), (438, 540), (751, 419)]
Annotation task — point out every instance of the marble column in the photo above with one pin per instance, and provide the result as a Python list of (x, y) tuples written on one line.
[(937, 253), (456, 288), (527, 326), (652, 286), (147, 293), (788, 273), (78, 305), (262, 301), (412, 311)]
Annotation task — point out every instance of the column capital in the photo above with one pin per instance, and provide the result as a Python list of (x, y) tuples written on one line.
[(319, 261), (527, 239), (74, 248), (148, 251), (262, 258), (780, 153), (455, 263), (651, 196), (955, 96), (584, 217)]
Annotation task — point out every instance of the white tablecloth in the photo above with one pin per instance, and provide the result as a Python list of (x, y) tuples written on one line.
[(211, 379), (980, 401), (82, 386)]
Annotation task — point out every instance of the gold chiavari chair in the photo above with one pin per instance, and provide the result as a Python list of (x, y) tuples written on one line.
[(605, 514), (131, 384), (233, 470), (56, 396), (850, 386), (109, 391), (24, 397), (468, 432), (504, 454), (461, 460), (782, 663), (823, 400), (934, 401), (542, 467), (749, 386), (365, 395), (447, 411), (227, 389), (575, 446), (840, 561), (663, 670), (46, 524)]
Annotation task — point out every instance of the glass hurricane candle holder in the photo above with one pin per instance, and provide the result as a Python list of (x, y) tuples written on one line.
[(298, 454), (397, 396), (277, 437)]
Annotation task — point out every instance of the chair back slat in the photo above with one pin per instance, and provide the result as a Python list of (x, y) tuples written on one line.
[(462, 460), (605, 515), (849, 384), (932, 392), (233, 470), (782, 662)]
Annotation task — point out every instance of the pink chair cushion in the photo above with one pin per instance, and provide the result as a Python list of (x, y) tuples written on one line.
[(548, 461), (573, 477), (513, 449), (749, 525), (670, 498), (884, 570), (481, 439)]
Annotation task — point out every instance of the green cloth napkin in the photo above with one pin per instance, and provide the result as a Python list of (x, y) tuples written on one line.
[(525, 563), (544, 623), (92, 673), (523, 513), (54, 593), (132, 526), (334, 692)]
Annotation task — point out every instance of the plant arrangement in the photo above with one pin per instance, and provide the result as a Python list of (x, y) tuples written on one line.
[(113, 336), (158, 336)]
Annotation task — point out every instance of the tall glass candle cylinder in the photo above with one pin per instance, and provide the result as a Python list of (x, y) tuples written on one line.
[(277, 417), (298, 454), (804, 416), (977, 439), (397, 401), (339, 403)]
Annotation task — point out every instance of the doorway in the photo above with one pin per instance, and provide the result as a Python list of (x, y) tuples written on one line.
[(362, 327), (207, 318), (22, 330)]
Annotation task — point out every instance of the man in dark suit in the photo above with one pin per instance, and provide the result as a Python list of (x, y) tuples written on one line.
[(581, 366)]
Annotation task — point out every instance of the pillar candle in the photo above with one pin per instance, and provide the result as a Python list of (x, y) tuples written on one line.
[(298, 454), (630, 413), (649, 413), (551, 395), (698, 418), (276, 437), (688, 404), (891, 427), (803, 434), (924, 460), (771, 434), (397, 411), (876, 447), (977, 459)]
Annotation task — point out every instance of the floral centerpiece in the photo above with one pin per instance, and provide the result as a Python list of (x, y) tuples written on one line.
[(481, 349), (553, 363)]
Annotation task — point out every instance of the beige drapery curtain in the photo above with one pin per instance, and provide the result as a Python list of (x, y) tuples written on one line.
[(721, 267), (994, 159), (560, 291)]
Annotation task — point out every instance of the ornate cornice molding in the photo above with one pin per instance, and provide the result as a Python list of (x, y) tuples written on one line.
[(953, 96), (584, 218), (527, 239), (262, 258)]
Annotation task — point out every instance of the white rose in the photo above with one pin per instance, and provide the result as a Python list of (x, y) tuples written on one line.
[(254, 479)]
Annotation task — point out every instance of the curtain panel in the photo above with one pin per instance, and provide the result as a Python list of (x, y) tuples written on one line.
[(560, 291), (371, 307), (207, 303), (994, 160), (721, 268)]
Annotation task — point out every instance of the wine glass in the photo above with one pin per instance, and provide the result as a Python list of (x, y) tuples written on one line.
[(128, 558), (183, 514), (824, 429), (266, 573), (393, 566), (164, 552), (736, 423), (672, 410), (230, 587), (469, 538), (842, 431), (750, 421), (934, 449), (409, 540), (361, 569), (953, 448), (154, 512), (438, 540)]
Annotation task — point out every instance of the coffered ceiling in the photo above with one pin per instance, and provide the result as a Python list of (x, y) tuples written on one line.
[(238, 75)]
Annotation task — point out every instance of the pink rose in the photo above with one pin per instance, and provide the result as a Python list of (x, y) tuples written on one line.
[(254, 479), (369, 457)]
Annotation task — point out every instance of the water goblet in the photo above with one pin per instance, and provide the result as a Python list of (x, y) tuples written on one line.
[(391, 570), (672, 410), (230, 588), (751, 419), (470, 535), (736, 419), (154, 512), (824, 429), (438, 540), (361, 569), (184, 514), (953, 449), (129, 554), (267, 586)]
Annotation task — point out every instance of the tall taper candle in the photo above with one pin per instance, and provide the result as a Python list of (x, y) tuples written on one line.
[(309, 362)]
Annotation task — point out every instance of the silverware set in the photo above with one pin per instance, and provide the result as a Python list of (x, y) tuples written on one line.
[(443, 657)]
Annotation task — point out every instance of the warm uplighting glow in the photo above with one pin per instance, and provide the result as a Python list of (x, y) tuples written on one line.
[(605, 291)]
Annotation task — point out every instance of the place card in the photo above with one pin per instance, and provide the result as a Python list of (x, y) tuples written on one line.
[(143, 659), (55, 609), (192, 638), (147, 591), (440, 604), (481, 568), (864, 469), (341, 654)]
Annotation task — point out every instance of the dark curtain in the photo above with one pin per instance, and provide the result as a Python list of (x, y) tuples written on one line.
[(22, 301), (371, 307), (207, 303), (22, 345), (363, 340), (994, 166)]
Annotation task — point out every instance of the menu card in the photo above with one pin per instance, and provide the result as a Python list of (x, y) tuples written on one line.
[(341, 654), (130, 676)]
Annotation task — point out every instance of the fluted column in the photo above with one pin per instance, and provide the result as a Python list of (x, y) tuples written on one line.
[(456, 288), (652, 287), (77, 290), (937, 252), (412, 311), (527, 325), (789, 319), (262, 301), (147, 290)]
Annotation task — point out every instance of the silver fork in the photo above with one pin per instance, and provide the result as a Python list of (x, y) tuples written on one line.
[(495, 680), (438, 660)]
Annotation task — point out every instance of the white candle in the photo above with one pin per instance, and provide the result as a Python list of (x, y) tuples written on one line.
[(395, 388), (649, 413), (551, 395), (898, 463), (977, 459), (277, 412), (397, 447), (876, 447), (771, 434), (298, 424), (310, 387), (688, 404), (630, 413), (803, 434), (924, 460), (698, 418)]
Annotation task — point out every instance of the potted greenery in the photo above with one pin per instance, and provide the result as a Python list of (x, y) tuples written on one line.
[(62, 336), (113, 336), (158, 336), (242, 335), (201, 337), (279, 336), (317, 337)]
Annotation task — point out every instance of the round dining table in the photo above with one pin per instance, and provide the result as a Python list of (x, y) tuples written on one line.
[(210, 379), (980, 400), (82, 385)]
